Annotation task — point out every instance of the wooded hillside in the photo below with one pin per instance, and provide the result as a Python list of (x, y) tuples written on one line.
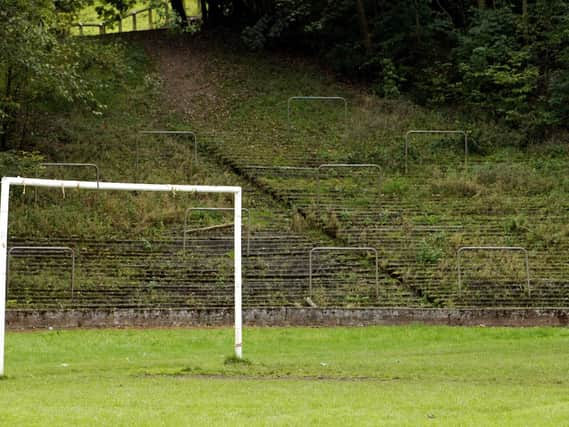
[(503, 61)]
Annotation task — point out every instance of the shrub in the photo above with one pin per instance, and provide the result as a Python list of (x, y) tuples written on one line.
[(395, 186), (428, 253), (13, 163), (456, 186)]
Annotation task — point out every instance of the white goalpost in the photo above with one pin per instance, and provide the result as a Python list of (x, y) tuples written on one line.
[(8, 182)]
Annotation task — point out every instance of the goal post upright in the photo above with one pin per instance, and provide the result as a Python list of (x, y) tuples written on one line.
[(7, 182), (4, 202), (238, 275)]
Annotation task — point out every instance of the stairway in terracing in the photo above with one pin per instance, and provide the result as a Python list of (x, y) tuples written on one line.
[(418, 237), (412, 222)]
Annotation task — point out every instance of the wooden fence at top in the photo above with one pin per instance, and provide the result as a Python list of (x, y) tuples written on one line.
[(135, 18)]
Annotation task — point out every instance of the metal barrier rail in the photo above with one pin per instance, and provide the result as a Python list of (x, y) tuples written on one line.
[(492, 248), (44, 249), (190, 210), (412, 132), (85, 165), (345, 249), (299, 168), (343, 165), (316, 98), (167, 132)]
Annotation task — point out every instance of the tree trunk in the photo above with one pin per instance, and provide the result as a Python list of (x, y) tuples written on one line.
[(245, 12), (203, 10), (417, 23), (463, 18), (178, 8), (363, 25), (525, 20), (215, 12), (3, 135), (4, 122)]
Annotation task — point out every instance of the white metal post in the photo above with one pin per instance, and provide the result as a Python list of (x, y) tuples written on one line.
[(4, 200), (115, 186), (238, 281)]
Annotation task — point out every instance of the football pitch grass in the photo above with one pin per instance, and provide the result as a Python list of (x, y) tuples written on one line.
[(404, 375)]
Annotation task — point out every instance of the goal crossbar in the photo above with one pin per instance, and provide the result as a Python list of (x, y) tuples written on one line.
[(8, 182)]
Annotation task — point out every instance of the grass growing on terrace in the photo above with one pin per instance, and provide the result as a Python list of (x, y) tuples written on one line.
[(412, 375)]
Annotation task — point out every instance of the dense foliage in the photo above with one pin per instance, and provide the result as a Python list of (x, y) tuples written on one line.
[(503, 60), (508, 60), (42, 69)]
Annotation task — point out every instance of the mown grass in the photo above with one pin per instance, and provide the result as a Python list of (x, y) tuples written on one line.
[(414, 375)]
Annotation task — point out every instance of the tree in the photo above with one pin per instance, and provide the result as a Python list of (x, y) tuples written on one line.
[(363, 25), (40, 64), (178, 8), (26, 56)]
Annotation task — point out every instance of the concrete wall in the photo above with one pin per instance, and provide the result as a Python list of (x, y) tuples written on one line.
[(30, 319)]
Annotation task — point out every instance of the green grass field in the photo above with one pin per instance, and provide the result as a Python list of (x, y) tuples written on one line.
[(414, 375)]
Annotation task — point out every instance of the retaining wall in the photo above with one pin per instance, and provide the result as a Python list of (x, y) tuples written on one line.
[(30, 319)]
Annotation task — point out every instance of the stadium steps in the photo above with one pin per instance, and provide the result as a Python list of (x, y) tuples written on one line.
[(400, 227), (416, 237)]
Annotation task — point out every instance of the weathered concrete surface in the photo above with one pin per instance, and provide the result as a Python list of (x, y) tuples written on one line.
[(30, 319)]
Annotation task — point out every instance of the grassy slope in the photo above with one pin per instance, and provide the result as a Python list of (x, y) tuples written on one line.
[(247, 122), (110, 141), (239, 109), (366, 376), (78, 218), (257, 89), (510, 196)]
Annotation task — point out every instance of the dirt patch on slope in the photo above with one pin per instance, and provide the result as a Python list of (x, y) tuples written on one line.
[(186, 67)]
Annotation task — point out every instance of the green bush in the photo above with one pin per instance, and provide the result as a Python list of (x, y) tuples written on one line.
[(428, 253), (43, 69), (456, 186), (22, 163), (502, 63)]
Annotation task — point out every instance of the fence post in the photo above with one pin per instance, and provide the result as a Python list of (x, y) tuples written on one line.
[(150, 18), (134, 22)]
